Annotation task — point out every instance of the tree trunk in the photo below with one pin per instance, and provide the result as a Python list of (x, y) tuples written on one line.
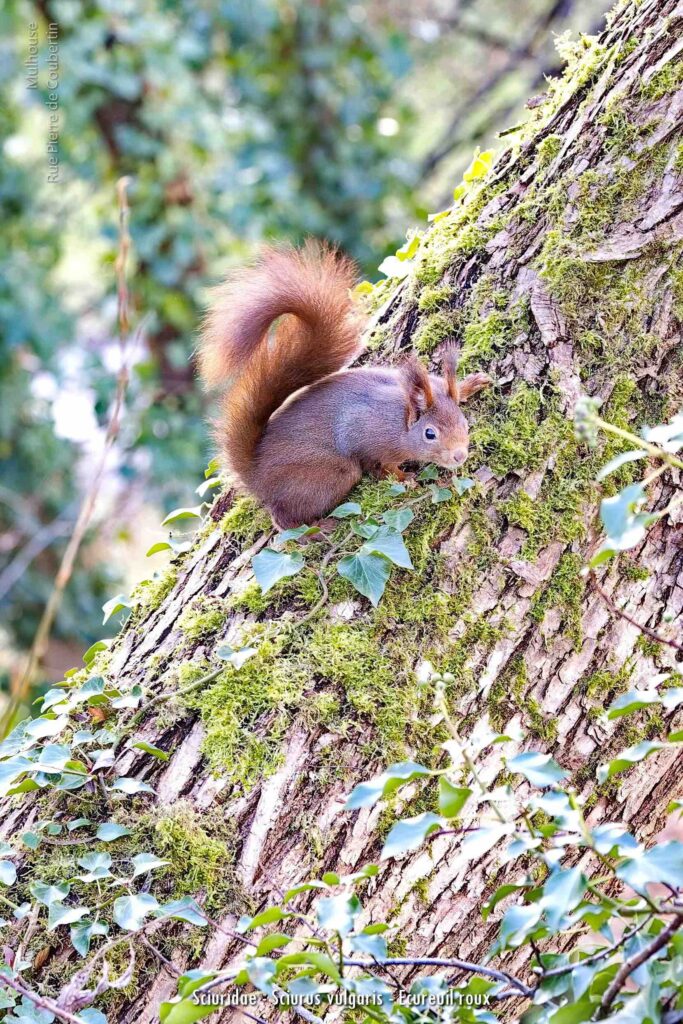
[(561, 274)]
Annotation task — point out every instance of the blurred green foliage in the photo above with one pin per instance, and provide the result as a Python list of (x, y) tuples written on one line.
[(236, 122)]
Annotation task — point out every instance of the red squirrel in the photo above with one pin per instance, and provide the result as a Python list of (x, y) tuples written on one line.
[(297, 428)]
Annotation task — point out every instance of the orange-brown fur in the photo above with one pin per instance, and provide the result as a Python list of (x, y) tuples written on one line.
[(297, 429)]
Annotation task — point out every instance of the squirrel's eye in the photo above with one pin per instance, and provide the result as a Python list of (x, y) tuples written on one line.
[(430, 434)]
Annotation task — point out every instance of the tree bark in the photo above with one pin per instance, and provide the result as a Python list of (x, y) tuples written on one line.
[(562, 274)]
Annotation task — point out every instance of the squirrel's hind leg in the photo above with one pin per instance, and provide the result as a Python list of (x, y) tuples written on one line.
[(308, 492)]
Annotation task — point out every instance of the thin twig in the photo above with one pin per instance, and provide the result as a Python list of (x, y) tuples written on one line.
[(64, 573), (651, 633), (633, 962), (568, 968), (42, 1002), (172, 969), (460, 965)]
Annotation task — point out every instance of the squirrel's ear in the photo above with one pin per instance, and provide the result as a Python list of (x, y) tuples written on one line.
[(449, 368), (471, 384), (419, 389)]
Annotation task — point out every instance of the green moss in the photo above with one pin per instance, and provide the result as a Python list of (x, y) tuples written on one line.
[(564, 591), (234, 703), (508, 696), (251, 599), (200, 862), (649, 647), (245, 521), (203, 616), (631, 571), (436, 328), (150, 593), (603, 686), (380, 688), (432, 299), (547, 150), (665, 81), (678, 162), (508, 436)]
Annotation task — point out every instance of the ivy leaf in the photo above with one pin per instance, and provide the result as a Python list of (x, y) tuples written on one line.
[(337, 913), (184, 1012), (49, 894), (661, 863), (270, 942), (518, 923), (349, 508), (440, 494), (11, 770), (94, 650), (271, 566), (161, 545), (430, 472), (184, 909), (410, 833), (624, 525), (54, 696), (82, 934), (268, 916), (480, 166), (452, 798), (634, 700), (261, 971), (561, 892), (236, 658), (130, 786), (103, 758), (144, 862), (395, 268), (539, 769), (41, 728), (398, 519), (618, 461), (149, 748), (96, 865), (373, 945), (59, 915), (131, 911), (366, 794), (479, 842), (461, 484), (179, 514), (388, 542), (367, 573), (500, 894), (110, 830), (8, 872), (116, 604), (626, 758), (296, 533), (131, 699)]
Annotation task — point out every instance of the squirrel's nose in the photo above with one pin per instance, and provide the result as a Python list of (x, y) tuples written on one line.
[(459, 456)]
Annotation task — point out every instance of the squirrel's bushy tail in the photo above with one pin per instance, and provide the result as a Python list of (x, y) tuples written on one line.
[(318, 337)]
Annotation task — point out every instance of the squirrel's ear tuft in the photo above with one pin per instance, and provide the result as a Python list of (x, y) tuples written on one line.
[(449, 368), (419, 389)]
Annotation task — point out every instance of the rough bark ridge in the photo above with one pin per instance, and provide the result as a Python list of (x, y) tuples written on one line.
[(561, 273)]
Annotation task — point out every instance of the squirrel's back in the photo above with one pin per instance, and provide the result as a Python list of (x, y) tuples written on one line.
[(318, 334)]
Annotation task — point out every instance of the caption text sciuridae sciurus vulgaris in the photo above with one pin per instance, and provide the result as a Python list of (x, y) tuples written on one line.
[(297, 429)]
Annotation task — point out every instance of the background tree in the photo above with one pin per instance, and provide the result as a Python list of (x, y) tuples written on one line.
[(251, 711)]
